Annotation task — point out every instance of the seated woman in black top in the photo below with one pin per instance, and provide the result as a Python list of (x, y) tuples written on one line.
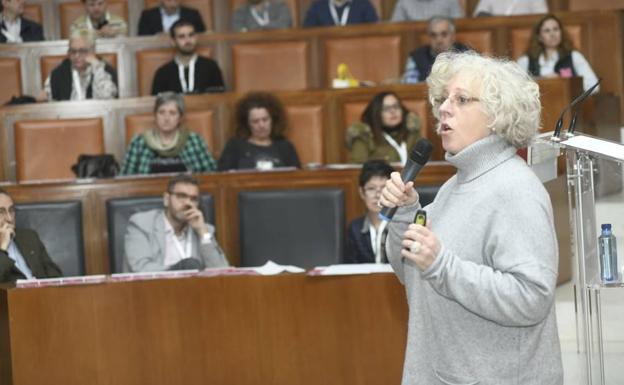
[(259, 144)]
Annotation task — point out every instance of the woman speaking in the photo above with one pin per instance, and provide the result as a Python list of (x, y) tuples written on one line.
[(480, 276)]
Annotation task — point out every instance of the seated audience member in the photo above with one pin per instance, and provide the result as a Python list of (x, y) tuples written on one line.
[(510, 7), (82, 75), (13, 27), (188, 72), (441, 32), (387, 131), (550, 54), (361, 246), (160, 19), (323, 13), (168, 147), (22, 255), (411, 10), (260, 142), (98, 19), (261, 14), (173, 238)]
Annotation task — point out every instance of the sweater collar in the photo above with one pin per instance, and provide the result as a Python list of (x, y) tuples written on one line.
[(480, 157)]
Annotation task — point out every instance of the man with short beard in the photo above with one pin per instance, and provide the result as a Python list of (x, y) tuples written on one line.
[(160, 19), (98, 19), (188, 72), (173, 238)]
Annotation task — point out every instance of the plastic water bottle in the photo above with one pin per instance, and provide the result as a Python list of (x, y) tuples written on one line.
[(608, 254)]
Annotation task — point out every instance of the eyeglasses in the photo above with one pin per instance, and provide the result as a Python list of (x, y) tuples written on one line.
[(10, 212), (456, 100), (391, 107), (372, 192), (79, 51), (185, 196)]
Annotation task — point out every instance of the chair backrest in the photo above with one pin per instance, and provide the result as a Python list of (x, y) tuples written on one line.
[(150, 60), (292, 5), (46, 149), (49, 62), (11, 78), (520, 38), (204, 7), (118, 213), (278, 65), (375, 58), (70, 11), (33, 12), (199, 121), (59, 226), (306, 226), (306, 132)]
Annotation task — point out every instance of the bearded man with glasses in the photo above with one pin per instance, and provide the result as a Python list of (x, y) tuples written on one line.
[(175, 237)]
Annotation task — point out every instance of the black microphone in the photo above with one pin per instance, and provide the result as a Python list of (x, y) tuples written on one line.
[(418, 157), (575, 103)]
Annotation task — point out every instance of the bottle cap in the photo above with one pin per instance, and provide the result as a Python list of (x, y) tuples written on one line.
[(606, 226)]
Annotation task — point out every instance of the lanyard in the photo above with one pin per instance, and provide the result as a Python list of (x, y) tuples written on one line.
[(262, 20), (77, 86), (186, 252), (401, 149), (334, 14), (191, 85)]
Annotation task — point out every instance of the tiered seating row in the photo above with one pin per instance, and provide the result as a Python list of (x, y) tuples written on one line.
[(307, 59), (224, 188), (43, 141)]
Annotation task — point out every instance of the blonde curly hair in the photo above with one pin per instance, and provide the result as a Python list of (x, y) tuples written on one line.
[(508, 95)]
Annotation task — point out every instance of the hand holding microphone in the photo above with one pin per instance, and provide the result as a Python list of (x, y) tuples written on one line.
[(399, 190)]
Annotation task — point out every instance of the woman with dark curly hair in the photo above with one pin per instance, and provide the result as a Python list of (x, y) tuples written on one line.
[(551, 54), (387, 131), (259, 143)]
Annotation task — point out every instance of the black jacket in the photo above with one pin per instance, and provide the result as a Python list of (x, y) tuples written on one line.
[(35, 255), (61, 80), (424, 58), (208, 77), (150, 22), (30, 31), (358, 248)]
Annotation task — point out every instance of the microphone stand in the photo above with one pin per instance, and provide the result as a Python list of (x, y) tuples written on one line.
[(575, 106)]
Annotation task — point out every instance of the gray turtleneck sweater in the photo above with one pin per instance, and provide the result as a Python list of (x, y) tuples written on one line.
[(483, 312)]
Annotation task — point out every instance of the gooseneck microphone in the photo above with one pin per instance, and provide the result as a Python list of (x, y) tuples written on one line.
[(575, 103), (417, 159)]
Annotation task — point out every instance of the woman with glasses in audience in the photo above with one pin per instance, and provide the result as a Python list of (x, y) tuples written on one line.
[(259, 142), (168, 147), (361, 246), (551, 54), (387, 131), (480, 275)]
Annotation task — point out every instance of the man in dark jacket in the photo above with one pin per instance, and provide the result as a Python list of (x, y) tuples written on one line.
[(160, 19), (22, 255), (441, 32), (325, 13), (13, 27), (188, 72)]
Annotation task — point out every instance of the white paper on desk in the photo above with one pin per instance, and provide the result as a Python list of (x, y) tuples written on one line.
[(356, 268), (272, 268)]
